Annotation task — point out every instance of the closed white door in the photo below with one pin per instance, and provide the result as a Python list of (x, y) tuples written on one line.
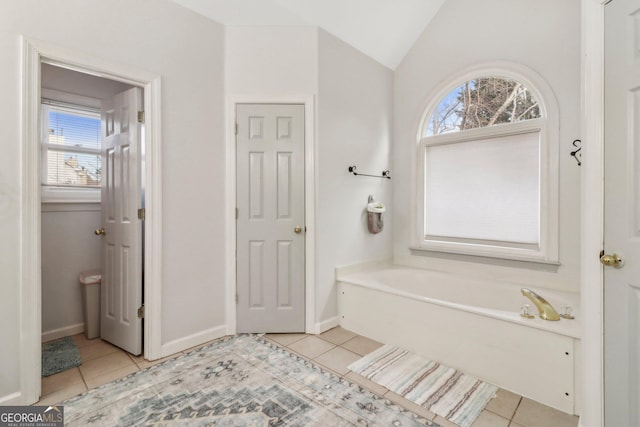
[(622, 214), (121, 289), (270, 218)]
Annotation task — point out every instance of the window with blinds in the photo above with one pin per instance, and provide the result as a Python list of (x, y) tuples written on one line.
[(489, 171), (71, 145)]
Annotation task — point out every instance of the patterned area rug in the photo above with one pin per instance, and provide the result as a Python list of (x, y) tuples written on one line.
[(444, 391), (59, 355), (236, 381)]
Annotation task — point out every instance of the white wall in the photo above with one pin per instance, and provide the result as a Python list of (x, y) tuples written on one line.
[(355, 99), (187, 51), (69, 246), (77, 83), (543, 35), (271, 60), (271, 64), (353, 102)]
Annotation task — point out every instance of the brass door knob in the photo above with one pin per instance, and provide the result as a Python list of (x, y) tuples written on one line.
[(612, 260), (297, 229), (100, 232)]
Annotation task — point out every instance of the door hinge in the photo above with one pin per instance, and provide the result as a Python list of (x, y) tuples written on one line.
[(140, 116), (141, 214), (236, 213), (236, 128), (237, 298), (141, 312)]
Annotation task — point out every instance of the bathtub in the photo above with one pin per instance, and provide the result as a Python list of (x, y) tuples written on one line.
[(469, 325)]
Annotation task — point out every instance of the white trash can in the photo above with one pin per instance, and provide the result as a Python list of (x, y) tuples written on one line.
[(90, 286)]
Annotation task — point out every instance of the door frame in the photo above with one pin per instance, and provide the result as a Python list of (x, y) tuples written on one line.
[(592, 206), (33, 53), (310, 199)]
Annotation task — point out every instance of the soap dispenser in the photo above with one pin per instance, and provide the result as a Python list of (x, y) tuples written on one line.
[(374, 216)]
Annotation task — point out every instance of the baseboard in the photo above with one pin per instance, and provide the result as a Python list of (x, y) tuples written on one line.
[(327, 324), (12, 399), (63, 332), (181, 344)]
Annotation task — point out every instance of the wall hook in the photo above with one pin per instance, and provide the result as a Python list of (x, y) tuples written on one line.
[(577, 154), (385, 174)]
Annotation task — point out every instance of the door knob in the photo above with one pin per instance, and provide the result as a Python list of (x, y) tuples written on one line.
[(100, 232), (612, 260), (297, 229)]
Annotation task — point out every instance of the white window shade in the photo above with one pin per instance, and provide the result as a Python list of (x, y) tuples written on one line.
[(484, 189)]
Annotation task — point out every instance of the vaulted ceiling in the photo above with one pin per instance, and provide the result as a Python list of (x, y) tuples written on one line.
[(383, 29)]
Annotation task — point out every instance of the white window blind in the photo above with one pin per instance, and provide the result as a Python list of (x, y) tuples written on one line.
[(484, 189), (488, 171), (71, 145)]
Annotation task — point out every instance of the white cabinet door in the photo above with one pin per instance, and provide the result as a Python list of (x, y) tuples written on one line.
[(270, 224), (121, 289), (622, 213)]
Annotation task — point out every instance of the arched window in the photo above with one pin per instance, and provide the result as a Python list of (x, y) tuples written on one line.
[(489, 168), (481, 102)]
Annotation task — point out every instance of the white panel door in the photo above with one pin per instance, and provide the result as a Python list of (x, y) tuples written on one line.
[(121, 289), (622, 213), (270, 218)]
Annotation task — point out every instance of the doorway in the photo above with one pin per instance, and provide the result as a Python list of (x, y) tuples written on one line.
[(621, 214), (72, 171), (31, 302), (270, 224), (307, 101)]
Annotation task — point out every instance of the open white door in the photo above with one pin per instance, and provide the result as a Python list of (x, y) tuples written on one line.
[(622, 214), (270, 218), (121, 290)]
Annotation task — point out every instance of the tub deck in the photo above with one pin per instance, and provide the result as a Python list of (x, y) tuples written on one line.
[(481, 333)]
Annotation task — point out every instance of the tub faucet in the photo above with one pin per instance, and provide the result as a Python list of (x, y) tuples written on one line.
[(547, 312)]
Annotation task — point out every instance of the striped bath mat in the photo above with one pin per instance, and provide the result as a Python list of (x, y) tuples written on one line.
[(444, 391)]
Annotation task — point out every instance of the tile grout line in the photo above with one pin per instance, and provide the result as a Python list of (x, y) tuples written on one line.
[(511, 421), (131, 358), (86, 386), (83, 379)]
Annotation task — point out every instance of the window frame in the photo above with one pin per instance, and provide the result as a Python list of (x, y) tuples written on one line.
[(64, 194), (546, 251)]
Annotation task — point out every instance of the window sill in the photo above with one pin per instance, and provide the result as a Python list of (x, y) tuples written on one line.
[(70, 195), (478, 252), (449, 261)]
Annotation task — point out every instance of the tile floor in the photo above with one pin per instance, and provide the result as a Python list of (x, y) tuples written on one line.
[(333, 350), (101, 363)]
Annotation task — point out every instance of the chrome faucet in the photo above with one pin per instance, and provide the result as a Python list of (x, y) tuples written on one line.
[(546, 311)]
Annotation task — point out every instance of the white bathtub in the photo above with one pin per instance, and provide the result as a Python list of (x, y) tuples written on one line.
[(470, 325)]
